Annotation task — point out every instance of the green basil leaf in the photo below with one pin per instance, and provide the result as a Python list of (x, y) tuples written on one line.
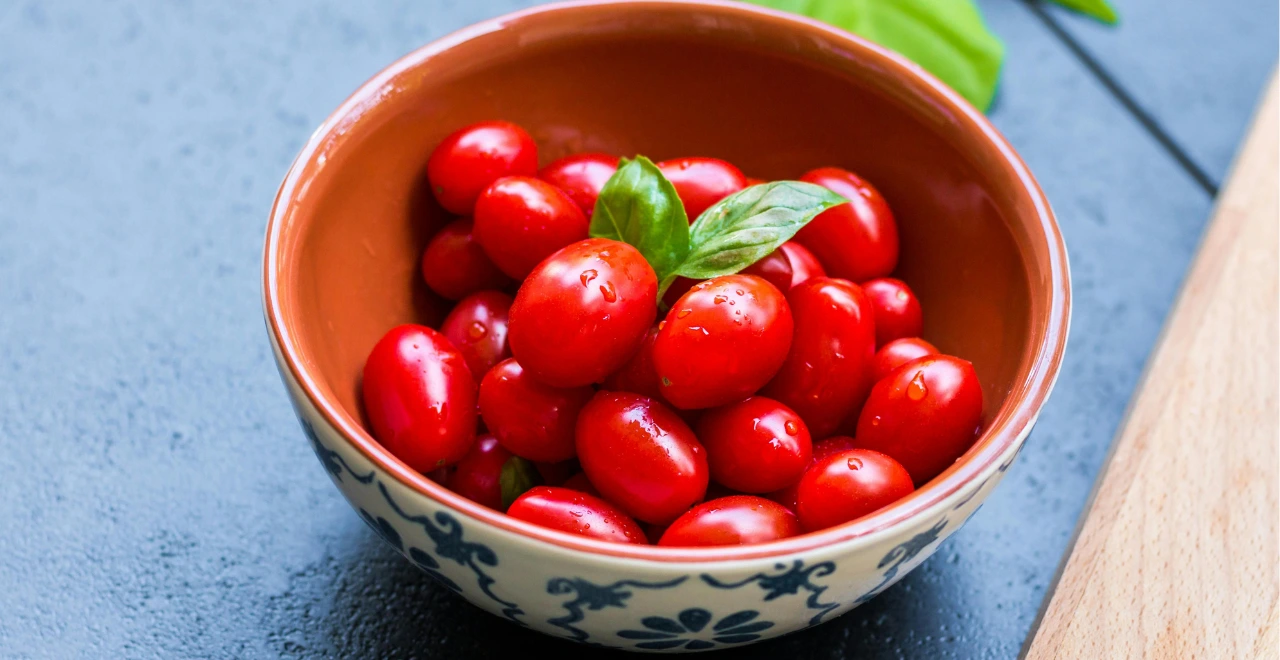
[(518, 476), (746, 226), (1099, 9), (946, 37), (638, 206)]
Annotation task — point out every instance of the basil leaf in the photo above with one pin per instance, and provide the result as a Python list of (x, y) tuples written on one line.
[(518, 476), (638, 206), (746, 226), (1099, 9), (946, 37)]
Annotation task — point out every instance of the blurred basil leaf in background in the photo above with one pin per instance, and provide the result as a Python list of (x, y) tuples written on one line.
[(1099, 9)]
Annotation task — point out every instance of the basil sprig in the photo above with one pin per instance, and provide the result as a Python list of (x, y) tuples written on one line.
[(517, 476), (640, 207)]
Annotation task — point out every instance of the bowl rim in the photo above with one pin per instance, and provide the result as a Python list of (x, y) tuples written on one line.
[(1010, 426)]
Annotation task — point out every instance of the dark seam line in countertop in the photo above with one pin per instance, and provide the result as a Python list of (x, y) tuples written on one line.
[(1148, 122)]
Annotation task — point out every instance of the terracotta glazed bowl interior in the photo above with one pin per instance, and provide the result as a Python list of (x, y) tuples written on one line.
[(775, 95)]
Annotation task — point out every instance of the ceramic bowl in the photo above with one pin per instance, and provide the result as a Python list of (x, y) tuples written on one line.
[(776, 95)]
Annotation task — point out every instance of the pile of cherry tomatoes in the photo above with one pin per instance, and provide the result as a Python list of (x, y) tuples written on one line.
[(789, 397)]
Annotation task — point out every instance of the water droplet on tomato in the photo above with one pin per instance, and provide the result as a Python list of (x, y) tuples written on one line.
[(607, 291), (875, 421), (683, 313), (792, 427), (854, 463), (587, 275), (477, 331), (902, 295), (662, 324), (740, 292), (755, 423), (720, 299), (916, 389)]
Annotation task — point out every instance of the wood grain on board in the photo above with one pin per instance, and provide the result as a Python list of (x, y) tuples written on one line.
[(1177, 555)]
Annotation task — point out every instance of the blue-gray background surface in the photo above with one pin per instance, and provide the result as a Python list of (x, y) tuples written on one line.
[(156, 496)]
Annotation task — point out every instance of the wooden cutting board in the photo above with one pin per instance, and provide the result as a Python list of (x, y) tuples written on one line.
[(1176, 556)]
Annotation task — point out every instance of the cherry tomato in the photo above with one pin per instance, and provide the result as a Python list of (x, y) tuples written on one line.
[(420, 397), (827, 373), (787, 267), (821, 449), (898, 352), (722, 341), (555, 474), (756, 445), (476, 476), (641, 456), (477, 326), (575, 512), (849, 485), (455, 266), (582, 313), (580, 483), (925, 414), (520, 220), (638, 374), (735, 520), (898, 312), (532, 420), (471, 158), (678, 288), (581, 177), (701, 182), (856, 241)]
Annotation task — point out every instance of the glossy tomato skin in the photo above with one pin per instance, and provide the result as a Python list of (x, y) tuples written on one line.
[(804, 265), (532, 420), (455, 266), (827, 373), (821, 449), (476, 476), (898, 352), (733, 520), (756, 445), (420, 397), (787, 267), (849, 485), (641, 456), (520, 221), (701, 182), (855, 241), (475, 156), (581, 177), (925, 414), (575, 512), (898, 313), (582, 313), (722, 341), (477, 326), (638, 374)]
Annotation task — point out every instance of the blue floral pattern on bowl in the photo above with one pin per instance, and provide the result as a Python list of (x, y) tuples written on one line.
[(662, 633)]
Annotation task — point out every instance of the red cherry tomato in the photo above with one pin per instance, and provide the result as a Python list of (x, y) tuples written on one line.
[(734, 520), (898, 312), (477, 326), (787, 267), (898, 352), (580, 483), (756, 445), (827, 373), (821, 449), (520, 221), (470, 159), (420, 397), (532, 420), (581, 177), (455, 266), (575, 512), (701, 182), (804, 266), (641, 456), (638, 375), (722, 341), (856, 241), (476, 476), (582, 313), (925, 414), (847, 486)]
